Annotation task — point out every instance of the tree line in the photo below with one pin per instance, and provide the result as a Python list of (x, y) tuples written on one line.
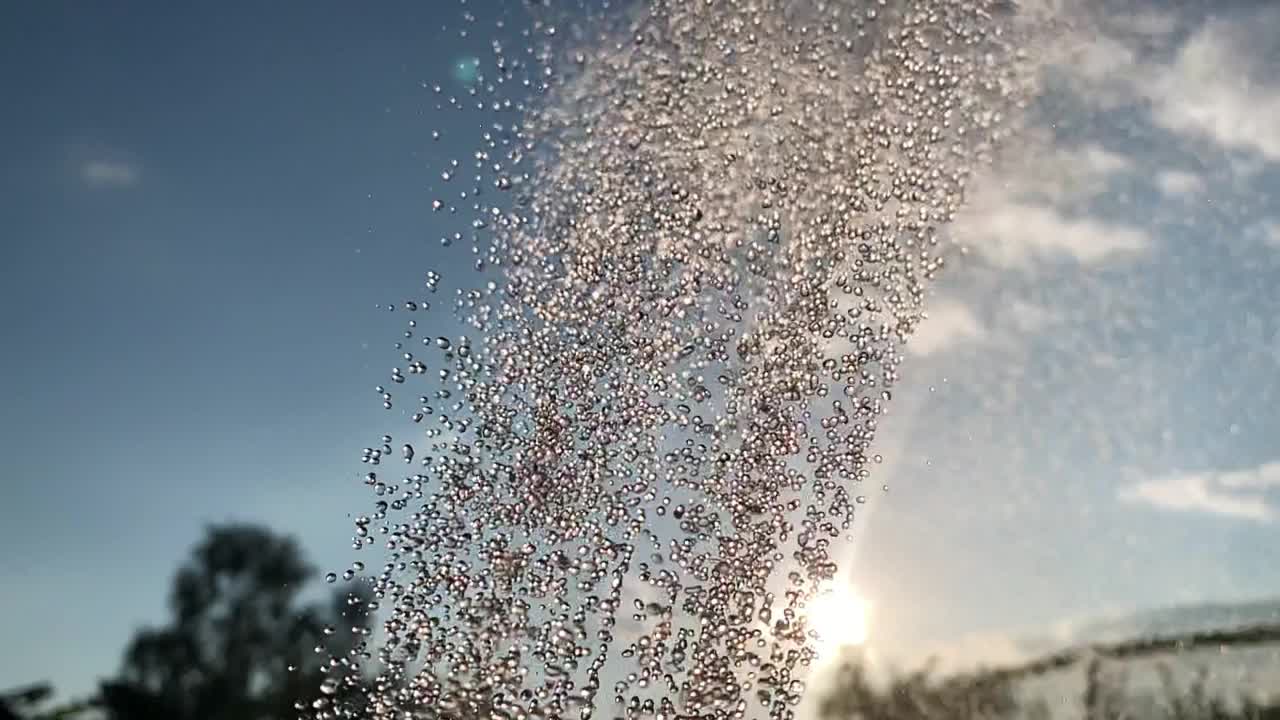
[(239, 644)]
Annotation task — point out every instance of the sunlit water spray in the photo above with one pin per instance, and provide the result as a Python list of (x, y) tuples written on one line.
[(703, 231)]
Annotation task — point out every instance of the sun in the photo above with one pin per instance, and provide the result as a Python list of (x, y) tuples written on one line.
[(838, 616)]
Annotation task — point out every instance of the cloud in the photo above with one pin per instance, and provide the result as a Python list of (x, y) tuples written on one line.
[(1098, 160), (1149, 23), (1225, 493), (1023, 214), (944, 326), (1179, 183), (1029, 317), (1014, 235), (1270, 232), (1259, 478), (1214, 86), (1214, 89), (105, 174), (1098, 67), (1058, 174), (1073, 174)]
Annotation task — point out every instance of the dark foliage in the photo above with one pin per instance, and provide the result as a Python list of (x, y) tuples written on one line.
[(921, 696), (238, 645)]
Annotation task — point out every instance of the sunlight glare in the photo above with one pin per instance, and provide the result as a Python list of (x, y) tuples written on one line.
[(838, 616)]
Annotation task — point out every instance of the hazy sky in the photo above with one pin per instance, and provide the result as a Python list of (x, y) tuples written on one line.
[(202, 207)]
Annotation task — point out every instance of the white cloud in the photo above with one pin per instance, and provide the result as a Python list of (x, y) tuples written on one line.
[(1211, 493), (1058, 174), (1102, 161), (1099, 67), (944, 326), (1179, 183), (1018, 216), (1270, 232), (1079, 173), (1214, 89), (1029, 317), (1016, 235), (1215, 86), (1150, 23), (101, 174), (1259, 478)]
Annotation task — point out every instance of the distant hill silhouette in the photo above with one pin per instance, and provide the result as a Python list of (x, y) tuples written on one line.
[(1182, 619), (1212, 662)]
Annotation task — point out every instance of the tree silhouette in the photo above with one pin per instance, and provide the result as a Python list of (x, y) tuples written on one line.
[(238, 645), (918, 695), (11, 701)]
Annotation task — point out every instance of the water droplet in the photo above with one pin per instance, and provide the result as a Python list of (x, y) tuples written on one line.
[(683, 332)]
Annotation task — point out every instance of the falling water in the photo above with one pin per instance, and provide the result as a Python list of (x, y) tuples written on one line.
[(702, 233)]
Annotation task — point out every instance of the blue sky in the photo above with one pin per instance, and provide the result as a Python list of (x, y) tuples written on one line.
[(202, 207), (1088, 424)]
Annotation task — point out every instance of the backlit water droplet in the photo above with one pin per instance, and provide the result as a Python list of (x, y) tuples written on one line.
[(714, 228)]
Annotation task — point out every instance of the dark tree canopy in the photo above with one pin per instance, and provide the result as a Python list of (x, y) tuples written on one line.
[(238, 644)]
